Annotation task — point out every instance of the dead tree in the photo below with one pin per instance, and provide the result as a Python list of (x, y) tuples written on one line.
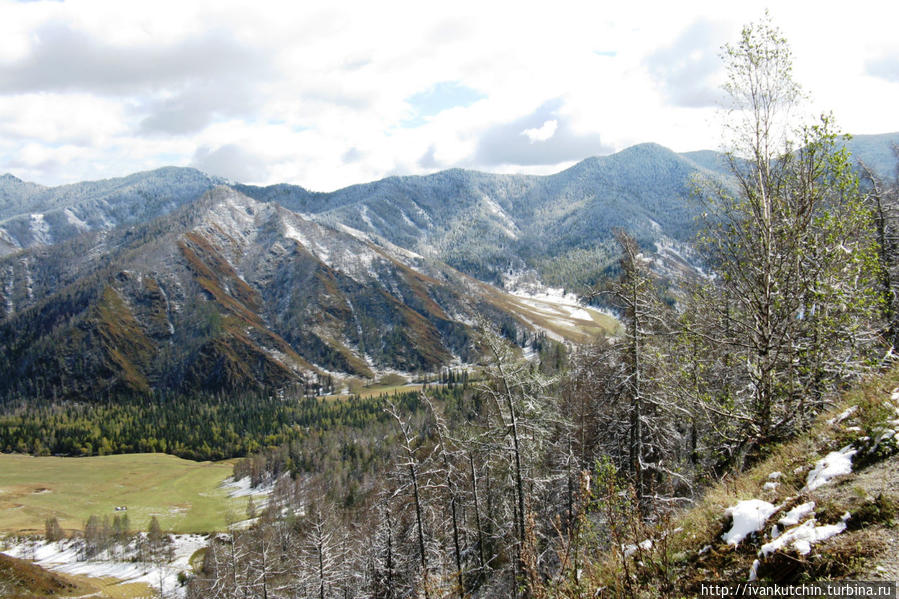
[(411, 465)]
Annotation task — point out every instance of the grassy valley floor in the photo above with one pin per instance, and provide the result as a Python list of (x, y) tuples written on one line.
[(185, 496)]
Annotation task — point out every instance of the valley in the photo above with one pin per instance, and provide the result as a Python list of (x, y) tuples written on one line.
[(185, 496), (448, 301), (231, 288), (324, 339)]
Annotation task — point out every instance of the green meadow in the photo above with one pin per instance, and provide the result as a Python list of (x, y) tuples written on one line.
[(185, 496)]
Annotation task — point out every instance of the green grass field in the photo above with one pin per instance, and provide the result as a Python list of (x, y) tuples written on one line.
[(185, 496)]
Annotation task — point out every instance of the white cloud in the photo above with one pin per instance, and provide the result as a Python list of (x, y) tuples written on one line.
[(54, 118), (885, 67), (326, 96), (231, 162), (547, 130), (689, 70)]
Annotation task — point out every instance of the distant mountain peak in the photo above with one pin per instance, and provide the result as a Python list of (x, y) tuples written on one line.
[(644, 147), (10, 179)]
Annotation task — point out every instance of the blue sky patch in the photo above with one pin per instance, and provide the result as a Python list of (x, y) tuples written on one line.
[(441, 96)]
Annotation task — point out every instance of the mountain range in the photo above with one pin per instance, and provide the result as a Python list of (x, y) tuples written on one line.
[(173, 279)]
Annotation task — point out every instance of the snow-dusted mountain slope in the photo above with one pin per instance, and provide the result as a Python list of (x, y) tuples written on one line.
[(227, 293)]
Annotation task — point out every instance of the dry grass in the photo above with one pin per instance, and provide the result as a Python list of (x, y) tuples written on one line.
[(839, 557), (20, 579), (698, 551), (794, 458), (566, 322)]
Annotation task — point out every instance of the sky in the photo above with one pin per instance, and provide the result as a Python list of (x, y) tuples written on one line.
[(325, 95)]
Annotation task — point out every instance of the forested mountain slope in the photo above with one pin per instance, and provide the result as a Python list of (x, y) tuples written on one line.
[(144, 282), (228, 293), (485, 224)]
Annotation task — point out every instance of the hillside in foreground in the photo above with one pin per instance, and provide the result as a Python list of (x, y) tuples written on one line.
[(822, 507)]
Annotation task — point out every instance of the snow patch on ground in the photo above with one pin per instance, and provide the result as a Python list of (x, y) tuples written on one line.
[(749, 517), (802, 537), (407, 220), (40, 230), (366, 218), (550, 303), (5, 238), (753, 571), (356, 261), (529, 353), (243, 488), (550, 334), (836, 463), (629, 549), (74, 220), (292, 232), (67, 557), (507, 224), (843, 416), (796, 515), (516, 285), (235, 214)]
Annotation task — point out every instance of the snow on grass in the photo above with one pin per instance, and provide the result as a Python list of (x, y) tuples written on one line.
[(795, 515), (836, 463), (753, 571), (802, 537), (244, 488), (552, 310), (631, 549), (549, 333), (749, 517), (843, 416), (120, 563), (562, 308), (578, 313), (546, 295), (237, 488), (185, 547)]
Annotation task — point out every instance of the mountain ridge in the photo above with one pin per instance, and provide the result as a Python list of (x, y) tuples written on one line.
[(228, 293), (46, 215), (171, 279)]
